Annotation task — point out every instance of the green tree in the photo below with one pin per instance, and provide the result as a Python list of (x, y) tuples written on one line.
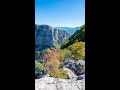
[(78, 50)]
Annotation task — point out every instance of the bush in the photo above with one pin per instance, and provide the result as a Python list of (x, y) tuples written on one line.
[(38, 69), (67, 53), (78, 50), (53, 62), (61, 74)]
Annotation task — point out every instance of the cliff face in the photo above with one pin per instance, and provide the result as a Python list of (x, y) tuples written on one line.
[(47, 37)]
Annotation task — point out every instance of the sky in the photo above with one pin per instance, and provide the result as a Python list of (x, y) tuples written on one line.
[(63, 13)]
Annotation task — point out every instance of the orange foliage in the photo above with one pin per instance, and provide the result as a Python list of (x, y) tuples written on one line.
[(53, 61)]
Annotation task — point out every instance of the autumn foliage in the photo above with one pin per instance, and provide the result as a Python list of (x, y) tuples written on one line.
[(53, 62)]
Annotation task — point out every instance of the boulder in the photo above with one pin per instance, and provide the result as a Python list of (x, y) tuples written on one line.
[(77, 66)]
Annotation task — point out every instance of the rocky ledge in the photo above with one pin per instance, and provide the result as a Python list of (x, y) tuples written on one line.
[(75, 82), (50, 83)]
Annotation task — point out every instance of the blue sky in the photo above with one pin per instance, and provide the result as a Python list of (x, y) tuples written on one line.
[(68, 13)]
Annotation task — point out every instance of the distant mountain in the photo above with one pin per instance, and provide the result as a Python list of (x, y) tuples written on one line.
[(68, 29)]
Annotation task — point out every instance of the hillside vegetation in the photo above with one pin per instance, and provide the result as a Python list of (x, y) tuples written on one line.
[(54, 59), (78, 36)]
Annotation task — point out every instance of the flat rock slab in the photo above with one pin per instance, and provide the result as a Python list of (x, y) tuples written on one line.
[(50, 83)]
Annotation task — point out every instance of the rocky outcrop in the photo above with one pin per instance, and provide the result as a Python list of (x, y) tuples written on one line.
[(74, 82), (47, 37), (70, 74), (77, 66), (50, 83)]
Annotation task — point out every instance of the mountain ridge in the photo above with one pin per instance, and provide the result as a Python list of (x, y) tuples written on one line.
[(71, 30)]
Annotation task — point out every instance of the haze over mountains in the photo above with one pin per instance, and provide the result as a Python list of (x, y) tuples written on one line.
[(70, 30)]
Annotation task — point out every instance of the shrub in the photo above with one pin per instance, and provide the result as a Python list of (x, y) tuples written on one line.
[(38, 69), (78, 50), (66, 52), (53, 63), (61, 74)]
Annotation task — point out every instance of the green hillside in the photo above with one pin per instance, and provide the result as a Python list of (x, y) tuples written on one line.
[(78, 36)]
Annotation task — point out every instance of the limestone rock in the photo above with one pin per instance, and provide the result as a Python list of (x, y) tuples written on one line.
[(50, 83), (47, 37), (70, 74), (77, 66)]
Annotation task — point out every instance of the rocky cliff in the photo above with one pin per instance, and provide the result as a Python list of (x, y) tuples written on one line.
[(47, 37)]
